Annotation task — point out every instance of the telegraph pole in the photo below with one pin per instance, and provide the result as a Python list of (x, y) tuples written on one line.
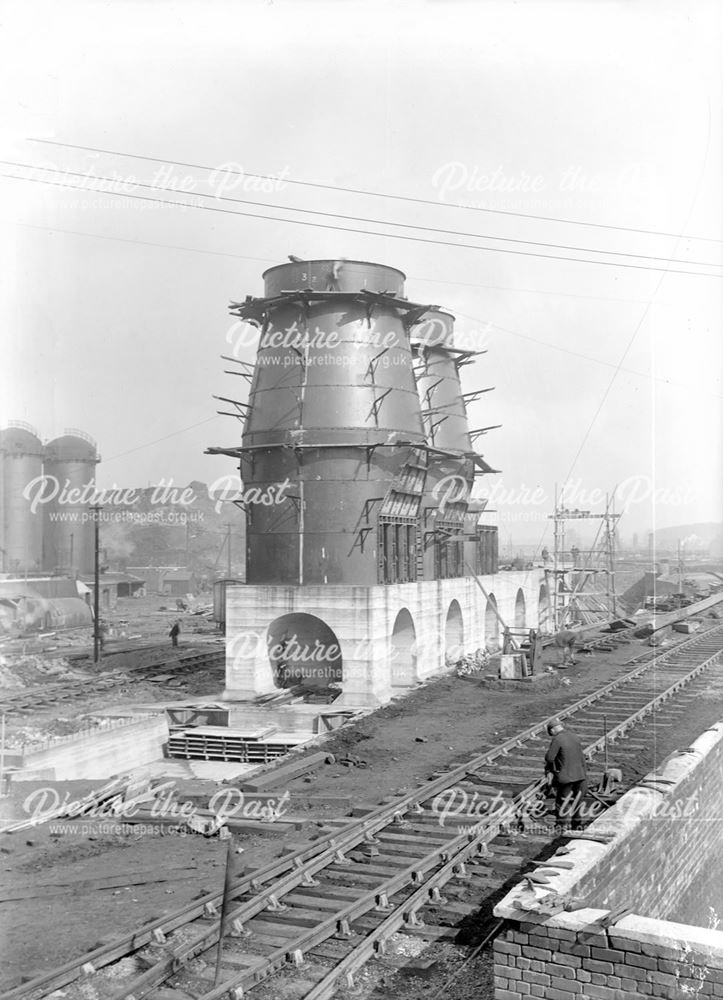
[(96, 589)]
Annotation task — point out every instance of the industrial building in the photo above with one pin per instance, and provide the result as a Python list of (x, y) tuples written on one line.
[(43, 527), (368, 562)]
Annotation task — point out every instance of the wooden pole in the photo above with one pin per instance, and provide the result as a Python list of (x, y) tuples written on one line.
[(227, 882), (96, 587), (499, 617)]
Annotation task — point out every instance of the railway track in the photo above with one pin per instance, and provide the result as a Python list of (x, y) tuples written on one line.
[(323, 911), (44, 696)]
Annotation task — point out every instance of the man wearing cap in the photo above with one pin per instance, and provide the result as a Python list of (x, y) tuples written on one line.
[(566, 769)]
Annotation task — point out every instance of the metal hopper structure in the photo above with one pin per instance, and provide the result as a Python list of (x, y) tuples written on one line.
[(358, 464)]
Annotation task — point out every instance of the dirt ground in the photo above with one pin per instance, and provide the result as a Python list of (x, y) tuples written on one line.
[(455, 717), (138, 638)]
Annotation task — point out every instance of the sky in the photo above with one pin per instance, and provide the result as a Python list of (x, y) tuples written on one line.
[(113, 310)]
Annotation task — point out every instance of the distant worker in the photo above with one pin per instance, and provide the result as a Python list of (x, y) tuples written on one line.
[(566, 771), (174, 633), (565, 641), (282, 677)]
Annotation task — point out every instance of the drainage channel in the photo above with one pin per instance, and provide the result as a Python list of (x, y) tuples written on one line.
[(374, 873)]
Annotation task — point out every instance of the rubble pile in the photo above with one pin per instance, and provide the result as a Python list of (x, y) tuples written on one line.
[(20, 670)]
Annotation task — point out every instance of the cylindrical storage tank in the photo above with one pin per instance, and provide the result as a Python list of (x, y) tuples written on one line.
[(450, 476), (438, 382), (21, 522), (69, 533), (333, 413)]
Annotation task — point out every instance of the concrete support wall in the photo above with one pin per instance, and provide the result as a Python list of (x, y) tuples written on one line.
[(98, 753), (377, 661), (661, 837)]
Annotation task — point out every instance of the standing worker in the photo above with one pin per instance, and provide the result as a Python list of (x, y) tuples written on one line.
[(174, 633), (565, 640), (566, 771)]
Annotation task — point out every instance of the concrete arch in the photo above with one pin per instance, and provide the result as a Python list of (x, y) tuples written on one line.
[(454, 633), (403, 651), (492, 625), (303, 649), (544, 617), (520, 610)]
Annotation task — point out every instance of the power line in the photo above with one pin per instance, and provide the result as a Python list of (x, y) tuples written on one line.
[(366, 221), (140, 447), (584, 357), (645, 312), (525, 291), (348, 229), (457, 312), (273, 260), (146, 243), (376, 194), (635, 332)]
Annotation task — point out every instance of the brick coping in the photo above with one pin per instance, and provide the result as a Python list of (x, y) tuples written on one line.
[(618, 823)]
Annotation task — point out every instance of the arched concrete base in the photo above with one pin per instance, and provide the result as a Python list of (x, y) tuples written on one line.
[(374, 664)]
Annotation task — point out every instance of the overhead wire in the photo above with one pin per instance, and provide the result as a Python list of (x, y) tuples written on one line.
[(457, 312), (385, 235), (579, 354), (631, 340), (363, 219), (373, 194), (346, 229), (140, 447), (143, 243), (556, 293)]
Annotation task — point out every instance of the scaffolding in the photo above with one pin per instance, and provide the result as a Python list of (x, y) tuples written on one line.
[(583, 590)]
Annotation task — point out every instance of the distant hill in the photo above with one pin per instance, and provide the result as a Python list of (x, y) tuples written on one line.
[(706, 535)]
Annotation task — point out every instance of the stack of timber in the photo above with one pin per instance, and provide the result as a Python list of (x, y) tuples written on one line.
[(238, 746)]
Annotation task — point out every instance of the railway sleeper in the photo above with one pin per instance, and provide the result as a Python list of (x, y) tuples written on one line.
[(267, 932), (376, 868), (310, 903), (330, 892), (293, 917), (390, 853), (387, 837), (364, 878)]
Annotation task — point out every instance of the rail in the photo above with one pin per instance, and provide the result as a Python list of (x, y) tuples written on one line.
[(295, 874)]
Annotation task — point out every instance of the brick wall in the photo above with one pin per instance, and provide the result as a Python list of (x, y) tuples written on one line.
[(663, 838), (545, 959), (657, 838)]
